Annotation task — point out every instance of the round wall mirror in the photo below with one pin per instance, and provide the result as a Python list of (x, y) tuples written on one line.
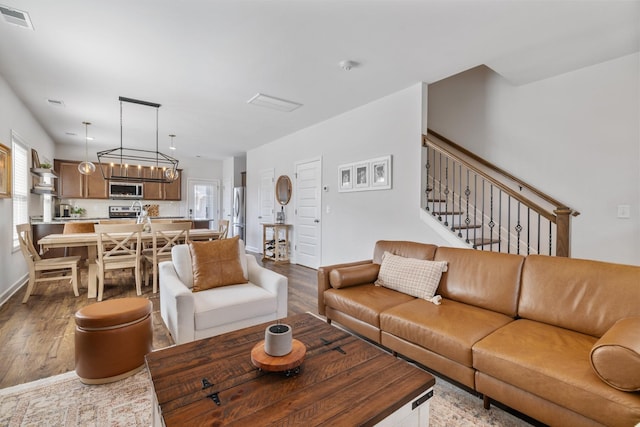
[(283, 189)]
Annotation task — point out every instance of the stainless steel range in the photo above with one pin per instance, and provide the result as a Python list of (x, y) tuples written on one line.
[(124, 211)]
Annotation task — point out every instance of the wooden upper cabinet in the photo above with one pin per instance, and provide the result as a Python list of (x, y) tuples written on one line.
[(96, 186), (70, 183), (73, 185), (173, 191), (152, 190)]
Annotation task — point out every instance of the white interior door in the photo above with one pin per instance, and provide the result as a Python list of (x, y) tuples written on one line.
[(266, 196), (308, 227)]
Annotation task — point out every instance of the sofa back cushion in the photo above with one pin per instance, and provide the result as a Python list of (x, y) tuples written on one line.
[(181, 258), (488, 280), (581, 295), (403, 248)]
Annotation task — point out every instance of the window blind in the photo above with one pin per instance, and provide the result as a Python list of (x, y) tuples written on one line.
[(20, 186)]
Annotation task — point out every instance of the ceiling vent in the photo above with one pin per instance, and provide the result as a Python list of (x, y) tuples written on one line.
[(16, 17), (273, 103), (55, 102)]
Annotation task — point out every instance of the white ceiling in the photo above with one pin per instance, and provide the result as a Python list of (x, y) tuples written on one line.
[(203, 59)]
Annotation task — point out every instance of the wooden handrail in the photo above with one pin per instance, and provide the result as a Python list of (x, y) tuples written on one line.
[(559, 206)]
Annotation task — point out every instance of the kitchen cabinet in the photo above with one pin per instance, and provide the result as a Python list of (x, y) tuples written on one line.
[(161, 191), (74, 185)]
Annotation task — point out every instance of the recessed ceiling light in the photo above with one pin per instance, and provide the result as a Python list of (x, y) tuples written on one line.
[(347, 65), (16, 17), (274, 103)]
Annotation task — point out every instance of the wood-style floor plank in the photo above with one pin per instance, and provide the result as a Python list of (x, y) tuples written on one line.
[(37, 338)]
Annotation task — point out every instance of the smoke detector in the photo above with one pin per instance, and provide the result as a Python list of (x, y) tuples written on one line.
[(347, 65)]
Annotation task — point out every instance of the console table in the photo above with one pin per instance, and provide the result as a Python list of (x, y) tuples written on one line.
[(275, 242)]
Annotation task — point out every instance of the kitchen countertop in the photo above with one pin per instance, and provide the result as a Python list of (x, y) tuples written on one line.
[(62, 220)]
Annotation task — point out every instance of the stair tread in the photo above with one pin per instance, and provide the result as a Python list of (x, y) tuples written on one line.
[(484, 242), (465, 226)]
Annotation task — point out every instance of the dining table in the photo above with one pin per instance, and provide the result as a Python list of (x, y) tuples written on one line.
[(90, 241)]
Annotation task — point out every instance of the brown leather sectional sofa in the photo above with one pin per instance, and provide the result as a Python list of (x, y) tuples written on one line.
[(555, 338)]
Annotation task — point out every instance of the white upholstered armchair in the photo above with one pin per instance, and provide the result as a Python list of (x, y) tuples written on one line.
[(194, 315)]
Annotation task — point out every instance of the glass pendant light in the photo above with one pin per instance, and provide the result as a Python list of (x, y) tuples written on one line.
[(86, 167), (171, 173)]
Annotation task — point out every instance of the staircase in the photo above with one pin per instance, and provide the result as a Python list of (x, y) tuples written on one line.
[(487, 207)]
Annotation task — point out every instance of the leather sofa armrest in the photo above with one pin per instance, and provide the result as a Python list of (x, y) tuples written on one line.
[(615, 357), (344, 277), (323, 280), (271, 281), (176, 304)]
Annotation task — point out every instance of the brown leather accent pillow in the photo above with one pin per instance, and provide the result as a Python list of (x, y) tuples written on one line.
[(355, 275), (216, 263), (615, 357)]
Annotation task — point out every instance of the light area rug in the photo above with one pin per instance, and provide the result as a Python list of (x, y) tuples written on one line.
[(63, 400)]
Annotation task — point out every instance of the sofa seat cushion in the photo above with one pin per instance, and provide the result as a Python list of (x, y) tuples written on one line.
[(227, 304), (553, 363), (449, 329), (364, 302)]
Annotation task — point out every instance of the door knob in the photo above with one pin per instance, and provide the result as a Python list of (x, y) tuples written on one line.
[(316, 221)]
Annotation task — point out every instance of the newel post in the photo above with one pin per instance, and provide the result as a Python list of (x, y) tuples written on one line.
[(563, 231)]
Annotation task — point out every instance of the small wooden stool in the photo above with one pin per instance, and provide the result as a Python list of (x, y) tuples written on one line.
[(112, 337)]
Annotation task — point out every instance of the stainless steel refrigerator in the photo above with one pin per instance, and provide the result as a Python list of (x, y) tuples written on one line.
[(238, 217)]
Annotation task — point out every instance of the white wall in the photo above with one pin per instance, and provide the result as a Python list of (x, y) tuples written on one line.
[(575, 136), (15, 116), (391, 125)]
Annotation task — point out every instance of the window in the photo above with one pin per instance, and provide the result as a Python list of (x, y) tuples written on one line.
[(20, 185), (202, 199)]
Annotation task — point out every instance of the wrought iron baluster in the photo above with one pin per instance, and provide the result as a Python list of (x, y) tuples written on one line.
[(500, 220), (518, 230), (467, 221), (491, 222), (428, 168), (528, 230), (509, 224), (482, 213), (550, 237), (446, 193), (439, 188), (460, 201)]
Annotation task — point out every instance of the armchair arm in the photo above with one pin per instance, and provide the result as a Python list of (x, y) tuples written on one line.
[(176, 304), (323, 280), (271, 281)]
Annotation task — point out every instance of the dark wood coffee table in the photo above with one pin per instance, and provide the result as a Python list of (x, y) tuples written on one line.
[(343, 380)]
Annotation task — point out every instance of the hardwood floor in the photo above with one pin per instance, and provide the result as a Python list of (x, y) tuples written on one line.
[(37, 338)]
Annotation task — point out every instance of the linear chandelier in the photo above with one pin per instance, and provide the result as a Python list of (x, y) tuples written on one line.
[(125, 164)]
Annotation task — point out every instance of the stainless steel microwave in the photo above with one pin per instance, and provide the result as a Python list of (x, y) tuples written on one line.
[(125, 190)]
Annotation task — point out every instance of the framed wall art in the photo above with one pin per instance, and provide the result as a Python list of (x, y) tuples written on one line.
[(5, 171), (361, 173), (372, 174), (381, 173), (345, 177)]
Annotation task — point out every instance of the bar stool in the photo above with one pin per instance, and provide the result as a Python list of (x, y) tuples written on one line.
[(112, 337)]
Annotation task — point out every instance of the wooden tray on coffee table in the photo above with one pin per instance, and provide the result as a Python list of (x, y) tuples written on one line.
[(288, 363)]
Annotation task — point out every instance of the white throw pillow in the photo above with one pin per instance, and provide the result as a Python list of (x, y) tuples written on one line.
[(415, 277)]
